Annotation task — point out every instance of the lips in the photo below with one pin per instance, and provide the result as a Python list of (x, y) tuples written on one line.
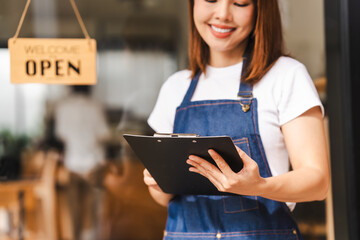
[(221, 31)]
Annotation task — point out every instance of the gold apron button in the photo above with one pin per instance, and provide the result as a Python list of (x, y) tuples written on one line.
[(294, 232), (218, 235), (245, 108), (165, 233)]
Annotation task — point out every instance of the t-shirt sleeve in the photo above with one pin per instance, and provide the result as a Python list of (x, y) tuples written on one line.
[(162, 117), (170, 96), (298, 95)]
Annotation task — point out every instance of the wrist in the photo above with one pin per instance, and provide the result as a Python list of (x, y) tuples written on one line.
[(264, 187)]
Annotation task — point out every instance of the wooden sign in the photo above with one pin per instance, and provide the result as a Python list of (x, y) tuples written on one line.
[(52, 61)]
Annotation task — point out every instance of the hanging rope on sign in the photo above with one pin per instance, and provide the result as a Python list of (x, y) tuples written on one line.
[(22, 20), (74, 7), (81, 22)]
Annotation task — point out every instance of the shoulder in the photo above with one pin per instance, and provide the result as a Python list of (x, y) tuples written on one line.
[(171, 94), (182, 74), (291, 89), (288, 77), (285, 71), (175, 86), (177, 81), (287, 65)]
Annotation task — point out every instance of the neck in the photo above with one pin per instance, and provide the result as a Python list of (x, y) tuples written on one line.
[(226, 58), (219, 60)]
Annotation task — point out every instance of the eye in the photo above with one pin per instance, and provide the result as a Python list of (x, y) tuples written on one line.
[(210, 1), (241, 5)]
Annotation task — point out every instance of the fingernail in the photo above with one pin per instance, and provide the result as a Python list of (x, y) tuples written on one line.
[(191, 157)]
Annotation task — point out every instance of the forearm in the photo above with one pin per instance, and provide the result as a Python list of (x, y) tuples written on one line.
[(301, 185), (305, 142), (160, 197)]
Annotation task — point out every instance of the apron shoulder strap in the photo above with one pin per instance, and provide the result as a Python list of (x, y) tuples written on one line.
[(245, 90), (191, 89)]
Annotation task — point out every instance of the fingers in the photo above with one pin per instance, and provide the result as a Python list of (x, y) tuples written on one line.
[(249, 164), (146, 172), (220, 162), (205, 167), (248, 161), (208, 170), (213, 180), (150, 181), (197, 168)]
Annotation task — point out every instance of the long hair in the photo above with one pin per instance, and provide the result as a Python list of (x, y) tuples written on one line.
[(265, 43)]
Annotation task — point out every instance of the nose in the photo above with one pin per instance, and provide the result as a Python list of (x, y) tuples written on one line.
[(223, 11)]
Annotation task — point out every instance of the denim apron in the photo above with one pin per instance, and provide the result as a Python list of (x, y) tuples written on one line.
[(227, 217)]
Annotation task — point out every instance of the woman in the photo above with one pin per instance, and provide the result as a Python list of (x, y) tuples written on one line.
[(275, 115)]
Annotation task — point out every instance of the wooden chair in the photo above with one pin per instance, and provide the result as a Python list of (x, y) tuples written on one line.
[(24, 193)]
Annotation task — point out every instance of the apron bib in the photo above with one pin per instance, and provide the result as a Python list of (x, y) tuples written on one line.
[(227, 217)]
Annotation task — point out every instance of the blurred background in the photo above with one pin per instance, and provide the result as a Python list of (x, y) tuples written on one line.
[(140, 44)]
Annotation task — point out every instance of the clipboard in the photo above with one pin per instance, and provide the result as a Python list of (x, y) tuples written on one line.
[(165, 155)]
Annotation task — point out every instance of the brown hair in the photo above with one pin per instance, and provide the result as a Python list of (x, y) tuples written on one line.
[(265, 43)]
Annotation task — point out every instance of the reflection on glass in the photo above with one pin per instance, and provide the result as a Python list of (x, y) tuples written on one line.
[(140, 44)]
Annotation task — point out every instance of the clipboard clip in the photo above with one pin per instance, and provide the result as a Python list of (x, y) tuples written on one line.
[(189, 135)]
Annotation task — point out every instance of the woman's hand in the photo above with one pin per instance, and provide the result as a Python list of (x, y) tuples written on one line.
[(150, 181), (246, 182), (157, 194), (308, 181)]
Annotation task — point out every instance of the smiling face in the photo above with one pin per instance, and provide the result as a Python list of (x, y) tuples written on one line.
[(224, 25)]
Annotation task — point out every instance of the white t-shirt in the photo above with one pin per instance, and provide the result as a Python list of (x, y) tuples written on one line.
[(283, 94)]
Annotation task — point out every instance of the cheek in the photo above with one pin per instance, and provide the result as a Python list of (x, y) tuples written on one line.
[(247, 20), (201, 16), (199, 13)]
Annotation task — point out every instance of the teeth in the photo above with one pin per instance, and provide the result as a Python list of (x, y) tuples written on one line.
[(221, 30)]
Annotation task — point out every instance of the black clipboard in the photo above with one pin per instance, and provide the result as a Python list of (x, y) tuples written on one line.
[(165, 157)]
